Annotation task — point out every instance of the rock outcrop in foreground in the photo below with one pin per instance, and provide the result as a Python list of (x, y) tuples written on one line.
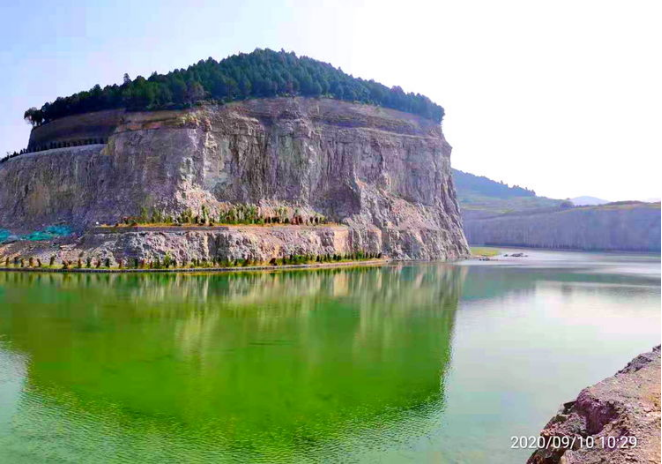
[(382, 175), (623, 406)]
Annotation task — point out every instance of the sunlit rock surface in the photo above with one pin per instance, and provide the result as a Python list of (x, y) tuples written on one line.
[(382, 175), (619, 417)]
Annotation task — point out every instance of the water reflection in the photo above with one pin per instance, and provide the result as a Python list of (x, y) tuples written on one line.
[(253, 365)]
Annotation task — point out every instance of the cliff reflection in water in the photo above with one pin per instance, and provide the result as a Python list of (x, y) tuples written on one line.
[(271, 364)]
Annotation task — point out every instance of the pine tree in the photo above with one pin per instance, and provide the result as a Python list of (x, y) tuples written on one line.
[(262, 73)]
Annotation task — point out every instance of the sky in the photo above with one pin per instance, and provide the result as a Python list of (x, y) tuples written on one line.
[(564, 97)]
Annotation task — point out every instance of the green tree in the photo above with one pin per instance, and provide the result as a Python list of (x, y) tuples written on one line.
[(263, 73)]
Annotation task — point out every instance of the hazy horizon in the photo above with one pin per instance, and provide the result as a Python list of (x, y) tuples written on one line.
[(561, 98)]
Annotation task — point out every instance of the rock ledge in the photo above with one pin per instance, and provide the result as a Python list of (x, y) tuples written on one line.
[(622, 406)]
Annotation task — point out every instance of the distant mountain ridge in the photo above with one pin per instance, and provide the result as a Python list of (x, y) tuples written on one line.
[(588, 201), (482, 185), (480, 196)]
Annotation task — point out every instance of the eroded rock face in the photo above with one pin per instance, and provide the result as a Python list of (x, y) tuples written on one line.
[(382, 173), (632, 226), (260, 244), (623, 406)]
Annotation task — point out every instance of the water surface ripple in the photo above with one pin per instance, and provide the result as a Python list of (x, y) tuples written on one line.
[(425, 362)]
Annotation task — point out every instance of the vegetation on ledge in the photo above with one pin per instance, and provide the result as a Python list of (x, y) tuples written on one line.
[(485, 252), (168, 262), (260, 74), (235, 215)]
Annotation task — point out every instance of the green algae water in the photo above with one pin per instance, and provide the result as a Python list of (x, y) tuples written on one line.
[(425, 362)]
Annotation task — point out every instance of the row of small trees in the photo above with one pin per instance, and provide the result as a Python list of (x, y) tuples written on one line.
[(168, 262), (54, 145), (235, 215), (66, 144)]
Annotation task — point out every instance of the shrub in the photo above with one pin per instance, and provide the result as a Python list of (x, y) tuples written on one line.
[(167, 261), (144, 215)]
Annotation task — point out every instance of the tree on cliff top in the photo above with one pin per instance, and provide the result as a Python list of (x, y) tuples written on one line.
[(262, 73), (33, 116)]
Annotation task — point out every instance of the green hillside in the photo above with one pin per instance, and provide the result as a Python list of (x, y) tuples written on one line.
[(480, 196), (260, 74)]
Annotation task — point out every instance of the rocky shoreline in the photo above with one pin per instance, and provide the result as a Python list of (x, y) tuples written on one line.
[(257, 244), (614, 421), (373, 262)]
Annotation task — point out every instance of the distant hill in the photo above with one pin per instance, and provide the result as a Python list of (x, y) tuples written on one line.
[(588, 201), (480, 196), (481, 185)]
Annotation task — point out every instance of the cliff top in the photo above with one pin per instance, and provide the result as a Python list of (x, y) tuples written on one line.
[(560, 208), (102, 124), (260, 74)]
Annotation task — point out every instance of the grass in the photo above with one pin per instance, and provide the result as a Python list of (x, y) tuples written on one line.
[(485, 251)]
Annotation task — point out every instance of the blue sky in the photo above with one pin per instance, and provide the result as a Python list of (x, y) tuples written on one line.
[(563, 97)]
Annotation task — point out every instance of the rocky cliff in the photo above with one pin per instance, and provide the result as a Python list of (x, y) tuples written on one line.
[(614, 421), (627, 226), (382, 175)]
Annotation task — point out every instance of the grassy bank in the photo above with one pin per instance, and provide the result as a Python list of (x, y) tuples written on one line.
[(486, 252)]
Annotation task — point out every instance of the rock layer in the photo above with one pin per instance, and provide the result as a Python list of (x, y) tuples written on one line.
[(623, 406), (383, 174), (628, 226)]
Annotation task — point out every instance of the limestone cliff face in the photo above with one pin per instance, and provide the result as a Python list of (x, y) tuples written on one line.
[(627, 227), (383, 174)]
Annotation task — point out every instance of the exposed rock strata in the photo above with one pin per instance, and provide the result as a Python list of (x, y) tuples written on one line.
[(625, 405), (626, 227), (383, 174), (203, 243)]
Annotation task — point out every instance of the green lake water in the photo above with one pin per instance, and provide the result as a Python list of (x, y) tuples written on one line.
[(426, 362)]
